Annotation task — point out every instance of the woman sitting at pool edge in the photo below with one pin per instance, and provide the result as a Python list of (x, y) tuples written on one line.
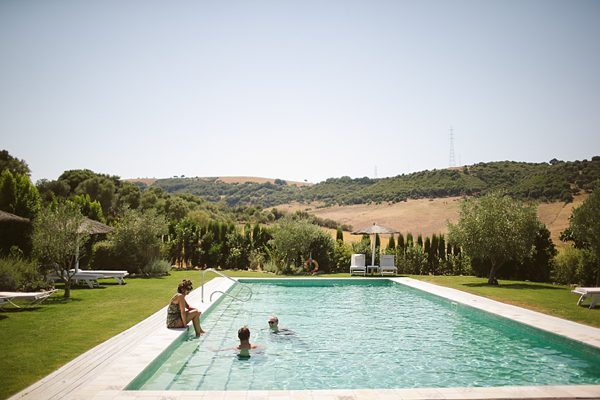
[(179, 313)]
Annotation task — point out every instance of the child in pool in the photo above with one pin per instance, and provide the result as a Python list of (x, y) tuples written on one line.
[(245, 346)]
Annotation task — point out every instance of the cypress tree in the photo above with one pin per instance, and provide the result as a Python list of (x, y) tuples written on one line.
[(434, 246), (339, 234), (409, 239), (256, 236), (366, 239), (442, 248), (248, 232), (391, 243), (420, 240), (456, 250), (401, 241)]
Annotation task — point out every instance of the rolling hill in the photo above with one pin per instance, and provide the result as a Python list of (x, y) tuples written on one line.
[(544, 182)]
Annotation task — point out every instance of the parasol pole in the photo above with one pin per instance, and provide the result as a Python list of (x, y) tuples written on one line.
[(373, 252)]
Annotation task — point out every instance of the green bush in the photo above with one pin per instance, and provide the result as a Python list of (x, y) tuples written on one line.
[(157, 267), (102, 257), (567, 264), (134, 243), (414, 261), (342, 254), (586, 271), (271, 267), (19, 274)]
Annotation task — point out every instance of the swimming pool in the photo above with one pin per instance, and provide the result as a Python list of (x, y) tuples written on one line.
[(365, 334)]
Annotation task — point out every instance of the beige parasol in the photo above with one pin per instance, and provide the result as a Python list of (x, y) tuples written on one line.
[(373, 230)]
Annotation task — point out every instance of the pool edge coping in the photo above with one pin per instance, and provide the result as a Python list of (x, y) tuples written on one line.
[(103, 372)]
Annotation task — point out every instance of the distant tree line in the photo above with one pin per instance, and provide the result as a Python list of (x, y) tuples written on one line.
[(153, 229), (553, 181)]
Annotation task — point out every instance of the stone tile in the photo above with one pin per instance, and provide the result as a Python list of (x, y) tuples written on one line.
[(282, 397), (408, 394), (305, 396)]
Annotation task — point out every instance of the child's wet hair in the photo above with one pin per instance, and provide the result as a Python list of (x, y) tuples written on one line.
[(244, 333)]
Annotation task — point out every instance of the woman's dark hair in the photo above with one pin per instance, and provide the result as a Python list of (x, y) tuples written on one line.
[(244, 333), (185, 285)]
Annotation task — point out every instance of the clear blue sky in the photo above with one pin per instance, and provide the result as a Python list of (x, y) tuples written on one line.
[(297, 90)]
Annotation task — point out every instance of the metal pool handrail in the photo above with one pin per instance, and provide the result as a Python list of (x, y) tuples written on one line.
[(220, 291)]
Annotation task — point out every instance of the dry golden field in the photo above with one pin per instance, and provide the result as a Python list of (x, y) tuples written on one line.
[(226, 179), (425, 216)]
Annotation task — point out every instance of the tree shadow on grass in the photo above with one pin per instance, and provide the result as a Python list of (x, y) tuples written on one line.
[(61, 286), (60, 300), (25, 308), (147, 277), (19, 310), (514, 286), (113, 283)]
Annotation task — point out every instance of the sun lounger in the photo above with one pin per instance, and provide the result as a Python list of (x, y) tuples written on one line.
[(386, 264), (118, 275), (357, 264), (90, 279), (592, 292), (35, 297)]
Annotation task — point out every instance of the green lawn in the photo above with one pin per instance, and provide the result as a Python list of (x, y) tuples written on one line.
[(37, 341)]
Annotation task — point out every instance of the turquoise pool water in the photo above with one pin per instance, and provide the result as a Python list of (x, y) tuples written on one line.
[(352, 334)]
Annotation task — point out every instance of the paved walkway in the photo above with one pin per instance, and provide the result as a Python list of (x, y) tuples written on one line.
[(103, 372)]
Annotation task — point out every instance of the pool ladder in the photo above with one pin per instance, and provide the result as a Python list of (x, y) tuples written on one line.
[(220, 291)]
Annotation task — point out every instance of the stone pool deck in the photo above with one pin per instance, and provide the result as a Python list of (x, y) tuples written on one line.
[(103, 372)]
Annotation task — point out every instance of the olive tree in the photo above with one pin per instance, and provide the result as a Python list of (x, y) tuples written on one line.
[(296, 241), (585, 225), (136, 240), (497, 228), (58, 242)]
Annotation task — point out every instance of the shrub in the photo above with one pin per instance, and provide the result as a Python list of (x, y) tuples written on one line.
[(136, 241), (567, 264), (586, 272), (256, 259), (19, 274), (157, 267), (103, 257), (342, 255), (271, 266), (414, 261)]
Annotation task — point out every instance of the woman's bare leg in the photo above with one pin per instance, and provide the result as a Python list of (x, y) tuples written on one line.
[(195, 317)]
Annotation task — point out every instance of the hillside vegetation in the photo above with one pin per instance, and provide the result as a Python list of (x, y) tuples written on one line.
[(424, 216), (544, 182)]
